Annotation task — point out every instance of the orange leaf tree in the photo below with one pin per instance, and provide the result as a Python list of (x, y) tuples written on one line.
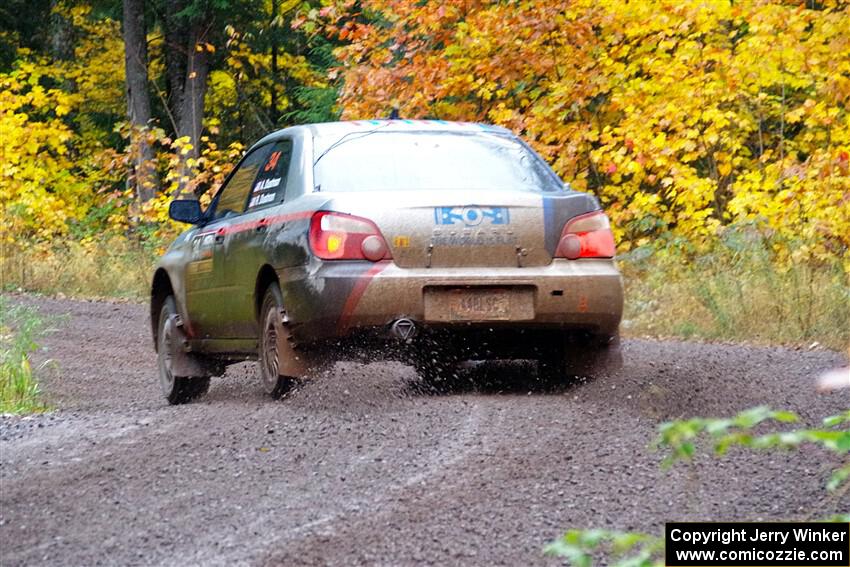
[(682, 116)]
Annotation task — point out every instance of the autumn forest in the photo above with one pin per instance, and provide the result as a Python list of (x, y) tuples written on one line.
[(716, 134)]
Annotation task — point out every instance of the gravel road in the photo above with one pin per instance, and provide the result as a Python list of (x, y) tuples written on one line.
[(357, 468)]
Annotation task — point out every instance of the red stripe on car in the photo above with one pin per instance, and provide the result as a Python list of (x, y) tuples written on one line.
[(357, 293), (252, 225)]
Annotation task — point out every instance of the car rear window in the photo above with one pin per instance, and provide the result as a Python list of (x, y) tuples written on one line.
[(389, 161), (270, 182)]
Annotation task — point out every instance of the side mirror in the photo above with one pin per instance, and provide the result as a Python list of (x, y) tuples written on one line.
[(185, 210)]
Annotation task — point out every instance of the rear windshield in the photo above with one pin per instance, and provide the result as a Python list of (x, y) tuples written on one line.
[(425, 161)]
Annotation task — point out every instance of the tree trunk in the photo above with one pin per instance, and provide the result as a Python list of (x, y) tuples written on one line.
[(190, 112), (176, 54), (61, 34), (274, 115), (186, 73), (138, 101), (190, 115)]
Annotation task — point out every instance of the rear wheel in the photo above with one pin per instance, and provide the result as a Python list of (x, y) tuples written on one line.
[(177, 389), (271, 331), (591, 357)]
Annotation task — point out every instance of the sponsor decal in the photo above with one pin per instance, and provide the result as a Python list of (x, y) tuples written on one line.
[(272, 163), (261, 199), (266, 184), (202, 246), (200, 267), (471, 215), (479, 238)]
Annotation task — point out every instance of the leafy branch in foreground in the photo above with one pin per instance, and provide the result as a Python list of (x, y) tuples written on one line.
[(679, 437), (630, 549)]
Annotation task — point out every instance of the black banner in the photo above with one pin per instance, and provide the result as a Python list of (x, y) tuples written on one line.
[(757, 544)]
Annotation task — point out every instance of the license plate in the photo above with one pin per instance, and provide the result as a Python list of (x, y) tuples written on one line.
[(479, 304)]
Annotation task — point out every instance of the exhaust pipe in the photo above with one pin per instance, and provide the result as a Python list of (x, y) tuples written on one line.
[(403, 329)]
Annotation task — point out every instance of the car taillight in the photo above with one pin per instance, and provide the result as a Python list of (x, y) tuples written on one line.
[(336, 236), (587, 236)]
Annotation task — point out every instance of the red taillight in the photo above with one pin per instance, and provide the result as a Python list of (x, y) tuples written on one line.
[(587, 236), (336, 236)]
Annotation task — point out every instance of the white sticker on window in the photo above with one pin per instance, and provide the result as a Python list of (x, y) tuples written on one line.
[(257, 200), (266, 184)]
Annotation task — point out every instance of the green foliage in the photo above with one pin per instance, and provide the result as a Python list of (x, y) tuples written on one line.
[(679, 437), (580, 547), (313, 104), (628, 549), (23, 25), (65, 157), (268, 74), (20, 329)]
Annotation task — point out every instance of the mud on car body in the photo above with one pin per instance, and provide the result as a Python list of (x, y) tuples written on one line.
[(435, 241)]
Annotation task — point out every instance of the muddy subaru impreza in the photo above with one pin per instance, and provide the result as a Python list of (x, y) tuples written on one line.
[(432, 241)]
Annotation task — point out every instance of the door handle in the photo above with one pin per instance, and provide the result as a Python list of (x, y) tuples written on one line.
[(262, 225), (219, 236)]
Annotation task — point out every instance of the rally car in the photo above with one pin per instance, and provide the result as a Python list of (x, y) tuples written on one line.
[(437, 241)]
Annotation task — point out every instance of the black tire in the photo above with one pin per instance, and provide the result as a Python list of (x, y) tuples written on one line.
[(609, 356), (177, 389), (552, 370), (593, 357), (200, 385), (271, 326)]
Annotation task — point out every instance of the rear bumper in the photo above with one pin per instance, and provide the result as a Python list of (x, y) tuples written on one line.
[(338, 299)]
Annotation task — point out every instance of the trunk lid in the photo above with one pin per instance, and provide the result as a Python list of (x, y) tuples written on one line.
[(467, 228)]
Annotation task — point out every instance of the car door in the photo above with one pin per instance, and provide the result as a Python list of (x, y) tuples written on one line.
[(208, 304), (247, 249)]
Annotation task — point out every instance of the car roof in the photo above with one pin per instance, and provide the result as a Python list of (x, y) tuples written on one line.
[(336, 130), (402, 125)]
